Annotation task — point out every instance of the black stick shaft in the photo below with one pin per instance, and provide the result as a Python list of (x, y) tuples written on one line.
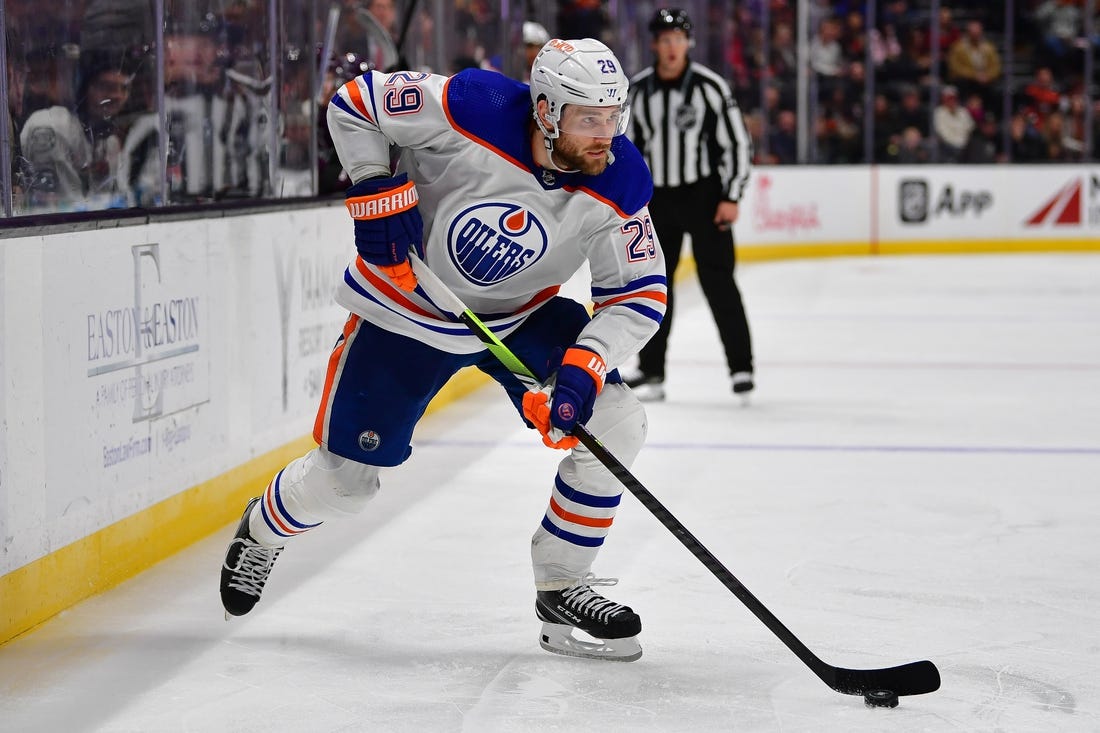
[(914, 678), (405, 25), (688, 540)]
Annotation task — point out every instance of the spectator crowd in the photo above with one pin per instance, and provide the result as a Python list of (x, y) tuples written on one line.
[(976, 84), (887, 83)]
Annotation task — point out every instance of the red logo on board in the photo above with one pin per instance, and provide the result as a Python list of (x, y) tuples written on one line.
[(1064, 208)]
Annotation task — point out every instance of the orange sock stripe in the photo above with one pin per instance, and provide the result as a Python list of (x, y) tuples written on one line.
[(579, 518), (269, 501)]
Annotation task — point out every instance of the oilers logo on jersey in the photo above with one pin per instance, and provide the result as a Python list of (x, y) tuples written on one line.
[(491, 242), (503, 237), (369, 440)]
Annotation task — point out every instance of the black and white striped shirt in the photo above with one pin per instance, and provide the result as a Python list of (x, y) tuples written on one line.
[(690, 129)]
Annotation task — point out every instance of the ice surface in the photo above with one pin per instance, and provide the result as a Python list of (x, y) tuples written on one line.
[(916, 478)]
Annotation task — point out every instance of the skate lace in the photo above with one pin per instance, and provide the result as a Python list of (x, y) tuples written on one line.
[(253, 566), (587, 601)]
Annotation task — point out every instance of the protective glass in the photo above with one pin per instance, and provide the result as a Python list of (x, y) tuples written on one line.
[(594, 121)]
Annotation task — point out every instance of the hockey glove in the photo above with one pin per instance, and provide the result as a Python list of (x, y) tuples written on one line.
[(387, 223), (569, 401)]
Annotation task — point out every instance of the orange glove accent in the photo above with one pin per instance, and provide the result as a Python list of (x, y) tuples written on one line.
[(536, 409), (402, 275), (383, 204), (589, 361)]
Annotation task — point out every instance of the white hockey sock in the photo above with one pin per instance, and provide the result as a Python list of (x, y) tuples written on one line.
[(310, 490)]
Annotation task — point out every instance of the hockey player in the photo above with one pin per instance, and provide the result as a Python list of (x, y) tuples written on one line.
[(505, 191)]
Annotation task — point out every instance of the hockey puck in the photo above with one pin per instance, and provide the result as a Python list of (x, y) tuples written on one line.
[(880, 699)]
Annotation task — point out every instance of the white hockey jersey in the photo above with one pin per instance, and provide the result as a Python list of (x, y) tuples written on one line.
[(503, 233)]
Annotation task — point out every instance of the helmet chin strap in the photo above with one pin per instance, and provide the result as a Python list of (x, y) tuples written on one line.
[(549, 144)]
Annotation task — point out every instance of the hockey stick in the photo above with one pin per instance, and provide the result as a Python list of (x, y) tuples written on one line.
[(914, 678), (378, 39), (405, 26)]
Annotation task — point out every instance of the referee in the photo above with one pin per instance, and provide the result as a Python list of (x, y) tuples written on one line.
[(687, 125)]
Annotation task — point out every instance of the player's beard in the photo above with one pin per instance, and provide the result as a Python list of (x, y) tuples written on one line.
[(571, 155)]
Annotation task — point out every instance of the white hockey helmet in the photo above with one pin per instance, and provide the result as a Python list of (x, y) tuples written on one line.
[(582, 72)]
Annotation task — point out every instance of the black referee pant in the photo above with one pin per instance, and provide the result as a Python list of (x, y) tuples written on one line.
[(690, 209)]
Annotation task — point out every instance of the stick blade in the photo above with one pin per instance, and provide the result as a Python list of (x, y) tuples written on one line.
[(915, 678)]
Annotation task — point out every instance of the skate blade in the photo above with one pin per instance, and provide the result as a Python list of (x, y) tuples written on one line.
[(559, 639)]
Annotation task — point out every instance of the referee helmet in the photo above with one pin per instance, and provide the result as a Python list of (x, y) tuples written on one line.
[(670, 19)]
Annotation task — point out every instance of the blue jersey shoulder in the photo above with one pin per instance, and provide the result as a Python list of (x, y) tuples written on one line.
[(492, 108), (496, 111), (627, 182)]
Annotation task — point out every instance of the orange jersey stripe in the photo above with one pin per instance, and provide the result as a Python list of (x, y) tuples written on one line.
[(584, 189), (399, 298), (330, 376), (651, 294), (542, 295), (391, 292), (356, 97), (475, 138)]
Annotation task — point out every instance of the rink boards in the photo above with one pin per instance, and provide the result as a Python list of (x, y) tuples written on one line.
[(156, 373)]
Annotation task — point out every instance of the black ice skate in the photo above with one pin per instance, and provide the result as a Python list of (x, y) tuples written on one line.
[(614, 625), (245, 570), (742, 383)]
